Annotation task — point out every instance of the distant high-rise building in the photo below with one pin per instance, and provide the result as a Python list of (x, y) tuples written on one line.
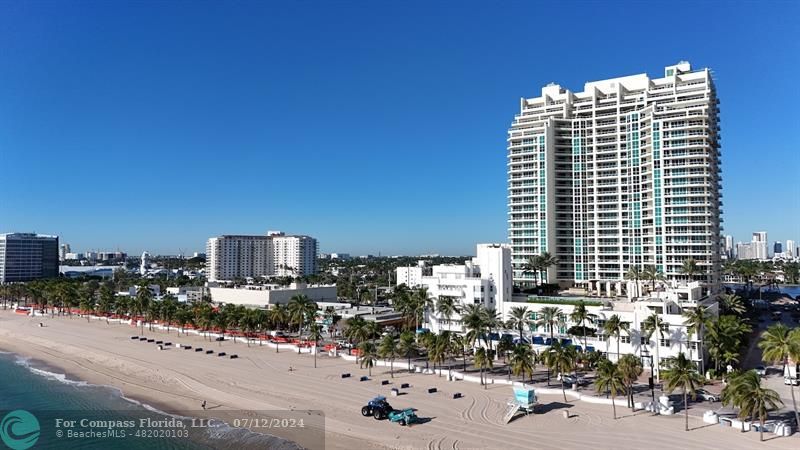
[(28, 256), (145, 264), (62, 252), (777, 248), (744, 250), (761, 245), (728, 246), (237, 256), (624, 174), (790, 246)]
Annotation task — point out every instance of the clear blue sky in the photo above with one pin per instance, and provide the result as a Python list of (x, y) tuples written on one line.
[(374, 126)]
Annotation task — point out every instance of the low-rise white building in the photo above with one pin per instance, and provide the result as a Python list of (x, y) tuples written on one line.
[(669, 305), (411, 276), (263, 296), (186, 294), (485, 280)]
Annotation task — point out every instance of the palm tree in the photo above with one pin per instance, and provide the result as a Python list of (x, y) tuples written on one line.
[(523, 359), (550, 316), (614, 326), (745, 392), (355, 330), (652, 274), (86, 306), (779, 344), (183, 317), (315, 334), (438, 347), (731, 304), (482, 361), (631, 367), (460, 344), (421, 302), (446, 306), (407, 346), (388, 349), (725, 337), (560, 358), (504, 346), (368, 355), (221, 322), (532, 265), (546, 260), (519, 319), (610, 379), (474, 321), (682, 374), (493, 320), (695, 321), (142, 302), (168, 308), (106, 301), (301, 310), (655, 324), (581, 315), (279, 315), (634, 274), (689, 268)]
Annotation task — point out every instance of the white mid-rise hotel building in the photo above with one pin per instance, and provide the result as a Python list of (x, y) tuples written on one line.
[(483, 280), (624, 173), (275, 254)]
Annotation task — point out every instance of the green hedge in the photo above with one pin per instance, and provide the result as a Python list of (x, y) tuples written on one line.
[(565, 301)]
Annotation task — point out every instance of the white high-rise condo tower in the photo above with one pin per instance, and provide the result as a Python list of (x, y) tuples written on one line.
[(625, 173), (275, 254)]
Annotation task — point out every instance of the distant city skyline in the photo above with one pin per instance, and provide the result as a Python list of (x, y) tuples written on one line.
[(130, 126)]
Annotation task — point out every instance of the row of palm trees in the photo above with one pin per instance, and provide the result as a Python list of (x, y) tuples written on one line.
[(65, 295), (539, 265)]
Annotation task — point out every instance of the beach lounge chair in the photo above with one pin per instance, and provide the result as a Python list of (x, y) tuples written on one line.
[(187, 347), (221, 354), (364, 378), (159, 342), (199, 349), (432, 390), (209, 352), (404, 386), (234, 356), (345, 375), (167, 344), (150, 341), (384, 382), (134, 337)]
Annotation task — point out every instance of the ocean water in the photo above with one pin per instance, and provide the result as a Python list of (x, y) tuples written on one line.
[(103, 417)]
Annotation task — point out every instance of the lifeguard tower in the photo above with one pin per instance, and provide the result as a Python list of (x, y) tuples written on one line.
[(524, 401)]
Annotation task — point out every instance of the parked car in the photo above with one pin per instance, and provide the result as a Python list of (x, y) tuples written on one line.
[(706, 396), (572, 379), (761, 370)]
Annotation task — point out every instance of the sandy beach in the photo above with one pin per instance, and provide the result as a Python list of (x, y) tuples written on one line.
[(259, 380)]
